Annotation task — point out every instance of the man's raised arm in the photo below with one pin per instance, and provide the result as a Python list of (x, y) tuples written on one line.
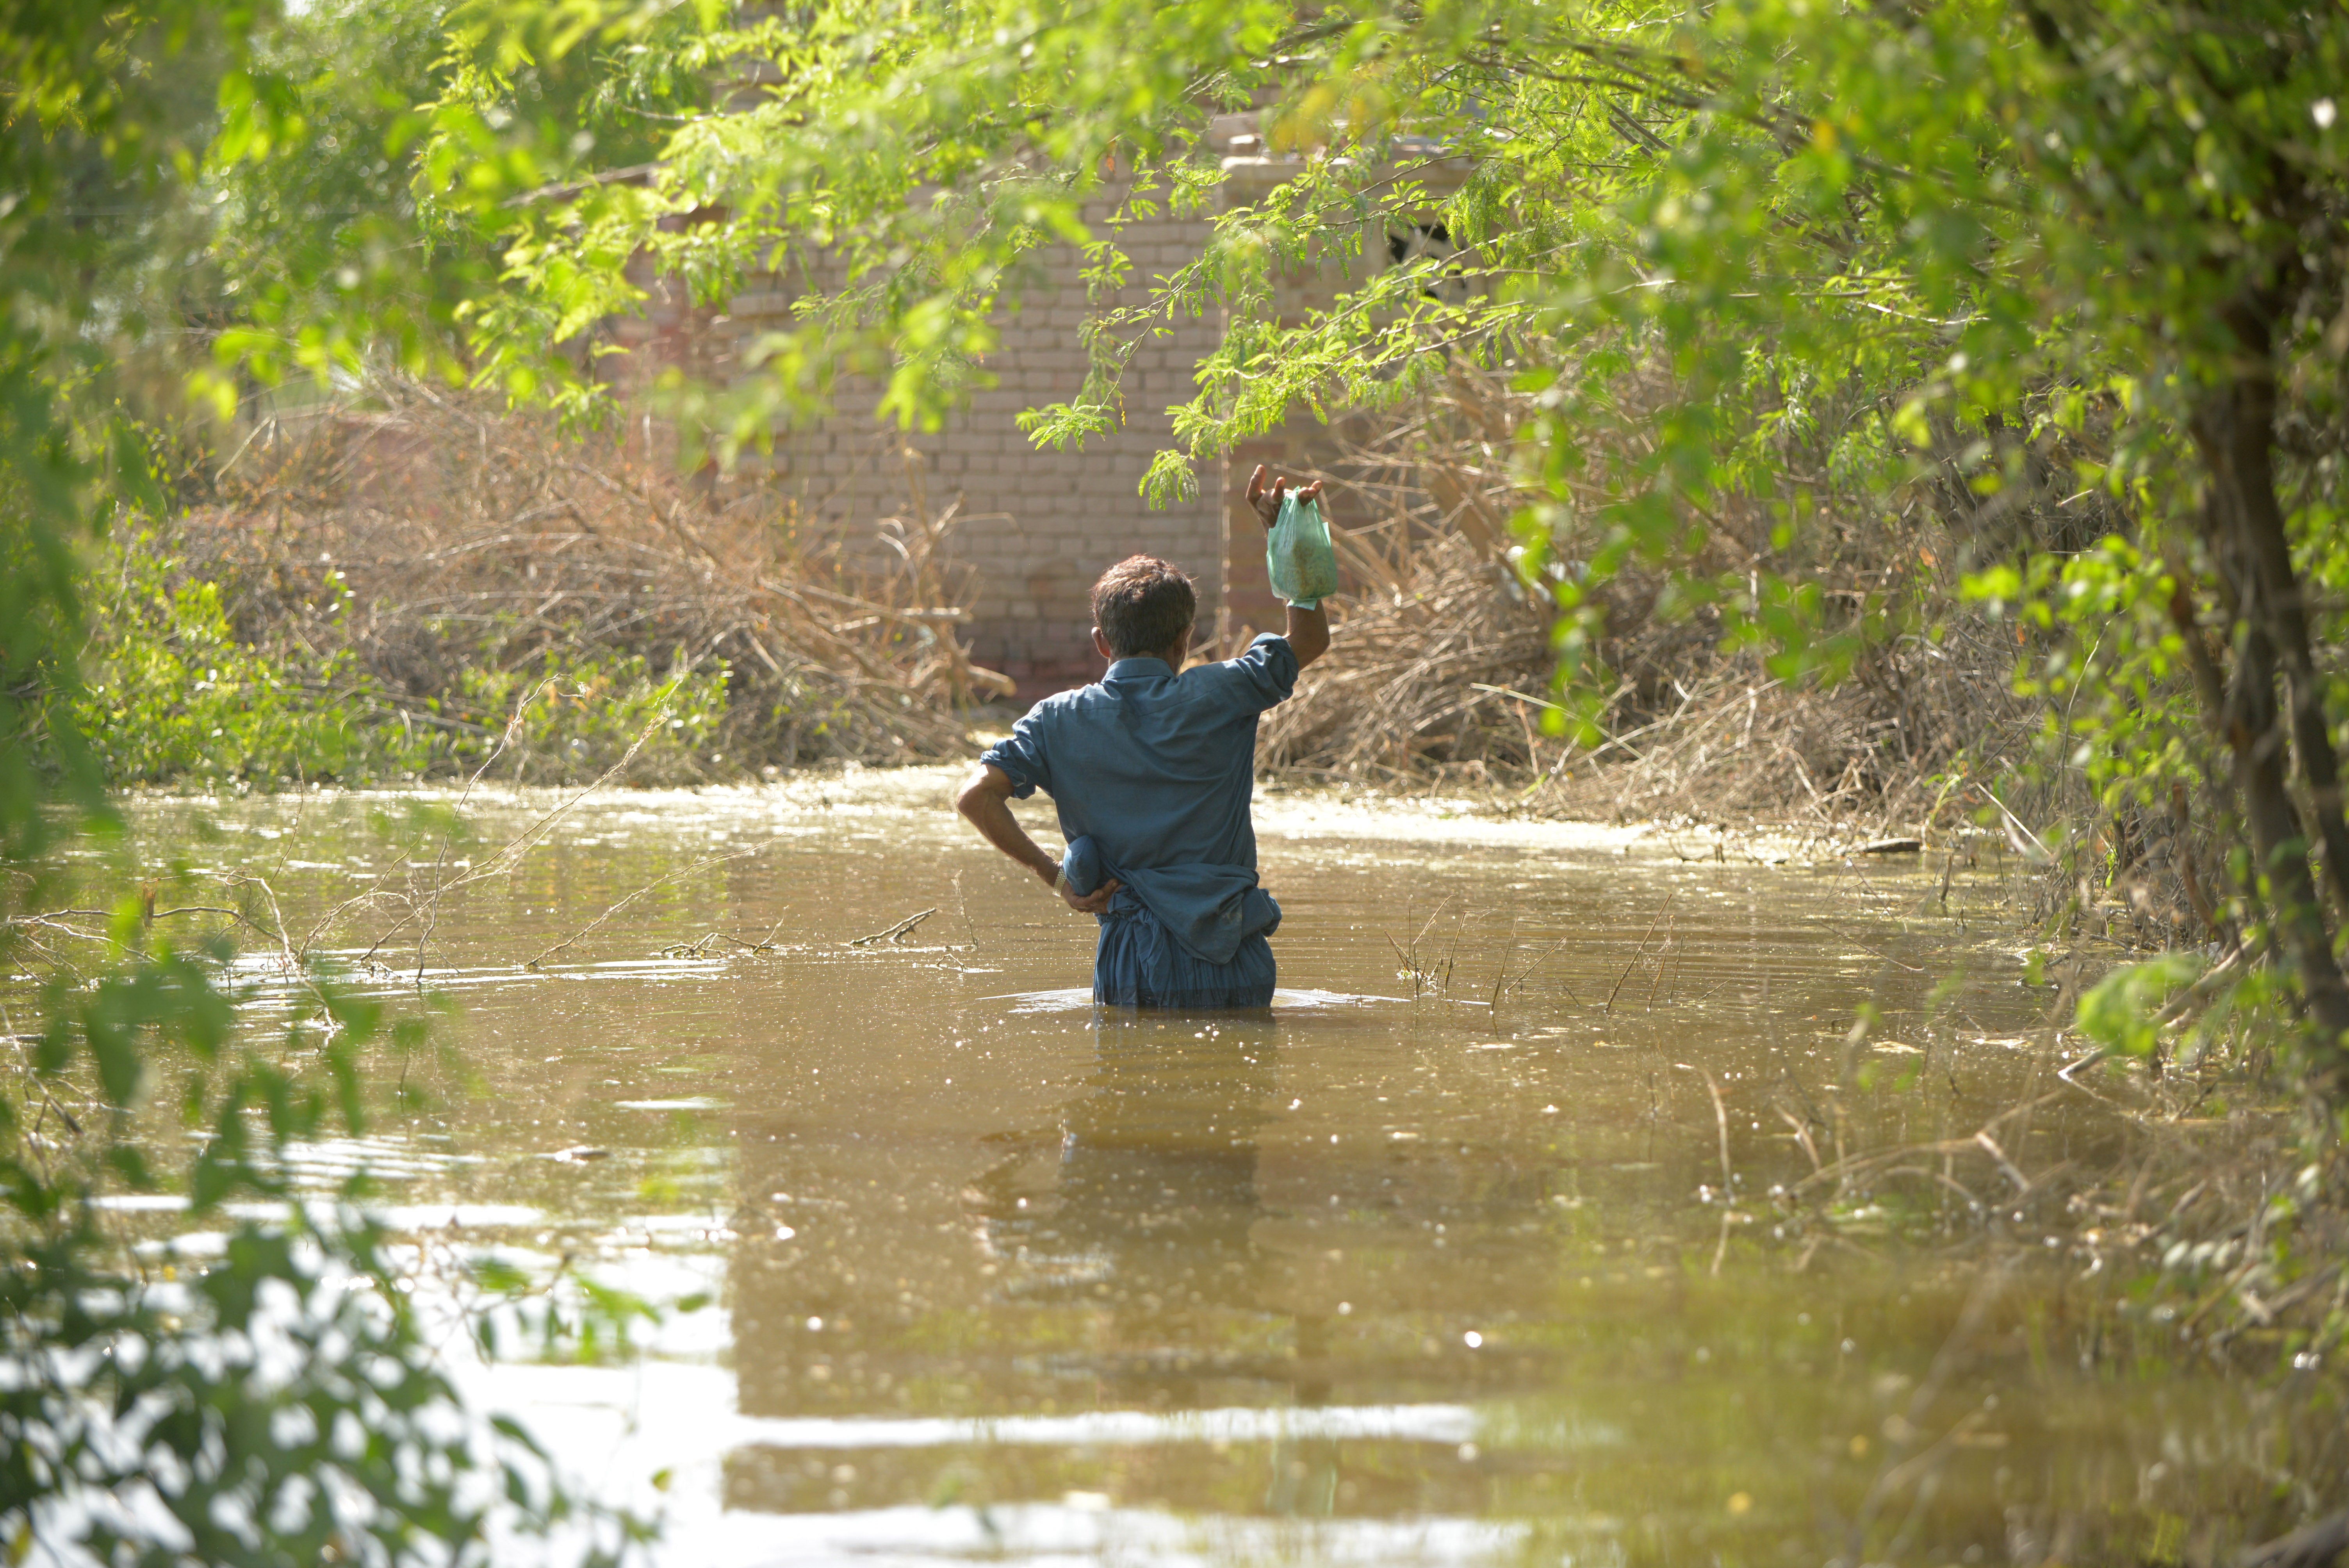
[(1309, 634)]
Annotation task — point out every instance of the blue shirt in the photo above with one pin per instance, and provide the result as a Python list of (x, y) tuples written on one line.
[(1158, 769)]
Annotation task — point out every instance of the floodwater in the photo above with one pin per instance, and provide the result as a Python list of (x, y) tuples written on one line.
[(1478, 1263)]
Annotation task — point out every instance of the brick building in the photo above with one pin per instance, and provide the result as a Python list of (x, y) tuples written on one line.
[(1036, 526)]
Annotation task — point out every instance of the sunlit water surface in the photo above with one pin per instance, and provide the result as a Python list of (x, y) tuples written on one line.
[(1410, 1269)]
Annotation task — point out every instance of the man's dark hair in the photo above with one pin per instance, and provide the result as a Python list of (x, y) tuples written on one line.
[(1142, 605)]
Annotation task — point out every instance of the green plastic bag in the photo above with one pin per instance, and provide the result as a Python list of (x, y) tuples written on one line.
[(1298, 556)]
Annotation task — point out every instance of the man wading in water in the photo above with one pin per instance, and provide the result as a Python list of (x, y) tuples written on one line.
[(1151, 771)]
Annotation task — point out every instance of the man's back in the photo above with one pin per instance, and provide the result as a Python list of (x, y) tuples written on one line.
[(1153, 774), (1158, 769)]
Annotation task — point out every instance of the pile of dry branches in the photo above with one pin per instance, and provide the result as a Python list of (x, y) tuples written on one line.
[(446, 543), (1436, 661), (1442, 663)]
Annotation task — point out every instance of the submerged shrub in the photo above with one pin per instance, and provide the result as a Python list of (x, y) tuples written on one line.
[(172, 693), (577, 714)]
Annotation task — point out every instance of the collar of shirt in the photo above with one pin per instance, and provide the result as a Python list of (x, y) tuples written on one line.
[(1139, 669)]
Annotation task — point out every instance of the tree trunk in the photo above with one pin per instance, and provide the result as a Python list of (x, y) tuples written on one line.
[(2243, 452), (2235, 431), (2310, 1546)]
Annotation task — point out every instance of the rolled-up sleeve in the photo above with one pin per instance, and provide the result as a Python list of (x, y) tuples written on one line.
[(1264, 675), (1021, 756)]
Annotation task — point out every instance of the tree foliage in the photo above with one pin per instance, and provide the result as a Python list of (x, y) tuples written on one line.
[(2071, 273), (2074, 268), (177, 219)]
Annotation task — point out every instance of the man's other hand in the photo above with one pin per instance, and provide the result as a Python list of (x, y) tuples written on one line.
[(1266, 497), (1093, 903)]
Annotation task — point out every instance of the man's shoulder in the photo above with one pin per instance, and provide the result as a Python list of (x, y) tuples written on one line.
[(1067, 712), (1268, 664), (1074, 700)]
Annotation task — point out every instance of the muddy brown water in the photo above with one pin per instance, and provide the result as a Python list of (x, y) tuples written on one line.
[(1439, 1268)]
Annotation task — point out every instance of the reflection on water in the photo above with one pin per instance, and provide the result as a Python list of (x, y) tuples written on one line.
[(1427, 1269), (1079, 999), (1145, 1205)]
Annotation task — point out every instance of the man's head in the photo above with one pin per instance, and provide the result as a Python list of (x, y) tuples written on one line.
[(1144, 607)]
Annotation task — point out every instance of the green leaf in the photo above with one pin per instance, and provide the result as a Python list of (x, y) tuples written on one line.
[(2118, 1011)]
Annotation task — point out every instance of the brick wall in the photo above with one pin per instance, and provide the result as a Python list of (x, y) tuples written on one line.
[(1037, 526)]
